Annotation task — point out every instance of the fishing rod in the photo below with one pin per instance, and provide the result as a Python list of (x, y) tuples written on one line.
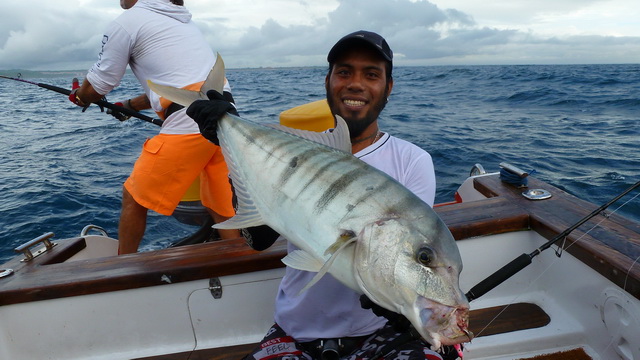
[(524, 260), (101, 103)]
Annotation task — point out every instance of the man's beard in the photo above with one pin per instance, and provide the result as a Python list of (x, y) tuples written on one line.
[(358, 125)]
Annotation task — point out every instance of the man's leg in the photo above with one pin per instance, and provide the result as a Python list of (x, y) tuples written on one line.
[(224, 233), (133, 222)]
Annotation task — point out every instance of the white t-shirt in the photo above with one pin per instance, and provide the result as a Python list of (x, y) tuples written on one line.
[(329, 309), (158, 40)]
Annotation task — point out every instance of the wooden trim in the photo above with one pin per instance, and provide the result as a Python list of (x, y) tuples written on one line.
[(507, 318), (612, 246), (482, 322), (66, 251), (35, 281), (613, 254), (477, 218), (573, 354)]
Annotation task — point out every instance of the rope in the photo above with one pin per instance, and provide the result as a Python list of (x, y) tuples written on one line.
[(513, 179)]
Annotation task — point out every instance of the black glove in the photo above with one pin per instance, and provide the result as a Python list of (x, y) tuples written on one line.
[(260, 237), (117, 114), (207, 113)]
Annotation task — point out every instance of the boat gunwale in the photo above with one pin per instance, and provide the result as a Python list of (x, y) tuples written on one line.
[(504, 210), (608, 243)]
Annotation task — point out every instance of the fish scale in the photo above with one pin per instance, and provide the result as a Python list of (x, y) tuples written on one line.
[(314, 166)]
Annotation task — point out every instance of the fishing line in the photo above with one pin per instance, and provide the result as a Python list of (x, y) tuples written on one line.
[(193, 327), (628, 272), (554, 262), (624, 288), (605, 216), (524, 260)]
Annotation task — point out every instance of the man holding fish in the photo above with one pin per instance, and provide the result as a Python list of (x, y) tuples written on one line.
[(359, 210)]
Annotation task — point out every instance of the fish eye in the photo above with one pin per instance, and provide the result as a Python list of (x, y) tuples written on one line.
[(426, 256)]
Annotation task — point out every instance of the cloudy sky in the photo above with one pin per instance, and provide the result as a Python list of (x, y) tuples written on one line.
[(66, 34)]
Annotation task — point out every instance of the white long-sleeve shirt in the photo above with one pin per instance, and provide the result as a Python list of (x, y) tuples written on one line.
[(158, 40)]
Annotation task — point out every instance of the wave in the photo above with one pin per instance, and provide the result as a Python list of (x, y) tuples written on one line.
[(576, 125)]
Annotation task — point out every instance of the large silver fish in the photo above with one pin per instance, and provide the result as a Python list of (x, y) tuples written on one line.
[(347, 218)]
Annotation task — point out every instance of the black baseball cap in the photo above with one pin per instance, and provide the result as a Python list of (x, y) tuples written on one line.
[(368, 37)]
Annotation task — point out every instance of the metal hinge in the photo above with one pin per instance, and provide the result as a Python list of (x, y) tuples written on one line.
[(215, 287)]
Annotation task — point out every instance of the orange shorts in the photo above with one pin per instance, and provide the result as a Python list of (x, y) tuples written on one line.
[(169, 164)]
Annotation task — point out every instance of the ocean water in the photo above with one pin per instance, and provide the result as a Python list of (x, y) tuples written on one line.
[(577, 126)]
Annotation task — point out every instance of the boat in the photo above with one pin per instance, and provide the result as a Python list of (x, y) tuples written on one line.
[(75, 299)]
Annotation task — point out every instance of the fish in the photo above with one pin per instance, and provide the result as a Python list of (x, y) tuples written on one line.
[(346, 217)]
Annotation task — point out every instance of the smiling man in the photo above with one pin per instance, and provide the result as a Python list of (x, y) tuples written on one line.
[(359, 83), (328, 321)]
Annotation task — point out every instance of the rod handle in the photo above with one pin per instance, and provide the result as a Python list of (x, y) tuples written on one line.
[(499, 276)]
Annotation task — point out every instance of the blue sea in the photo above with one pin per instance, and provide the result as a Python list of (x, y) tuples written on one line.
[(577, 126)]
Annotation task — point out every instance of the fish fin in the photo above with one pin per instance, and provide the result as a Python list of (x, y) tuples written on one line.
[(337, 139), (214, 81), (343, 240), (241, 220), (315, 279), (302, 260), (179, 96), (247, 214), (335, 249), (341, 244)]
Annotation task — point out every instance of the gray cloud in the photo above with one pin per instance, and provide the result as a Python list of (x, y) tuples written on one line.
[(40, 40), (41, 35), (421, 33)]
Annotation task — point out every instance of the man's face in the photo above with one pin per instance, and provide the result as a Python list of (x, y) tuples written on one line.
[(357, 88)]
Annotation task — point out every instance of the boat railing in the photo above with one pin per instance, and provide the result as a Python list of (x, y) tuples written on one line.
[(609, 248)]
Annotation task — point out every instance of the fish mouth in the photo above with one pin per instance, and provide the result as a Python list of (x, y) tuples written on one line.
[(442, 324)]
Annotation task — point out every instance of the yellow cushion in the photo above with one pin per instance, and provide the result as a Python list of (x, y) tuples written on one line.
[(314, 116)]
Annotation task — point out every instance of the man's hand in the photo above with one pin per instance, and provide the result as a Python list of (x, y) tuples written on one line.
[(89, 95), (75, 85), (207, 113), (117, 114)]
